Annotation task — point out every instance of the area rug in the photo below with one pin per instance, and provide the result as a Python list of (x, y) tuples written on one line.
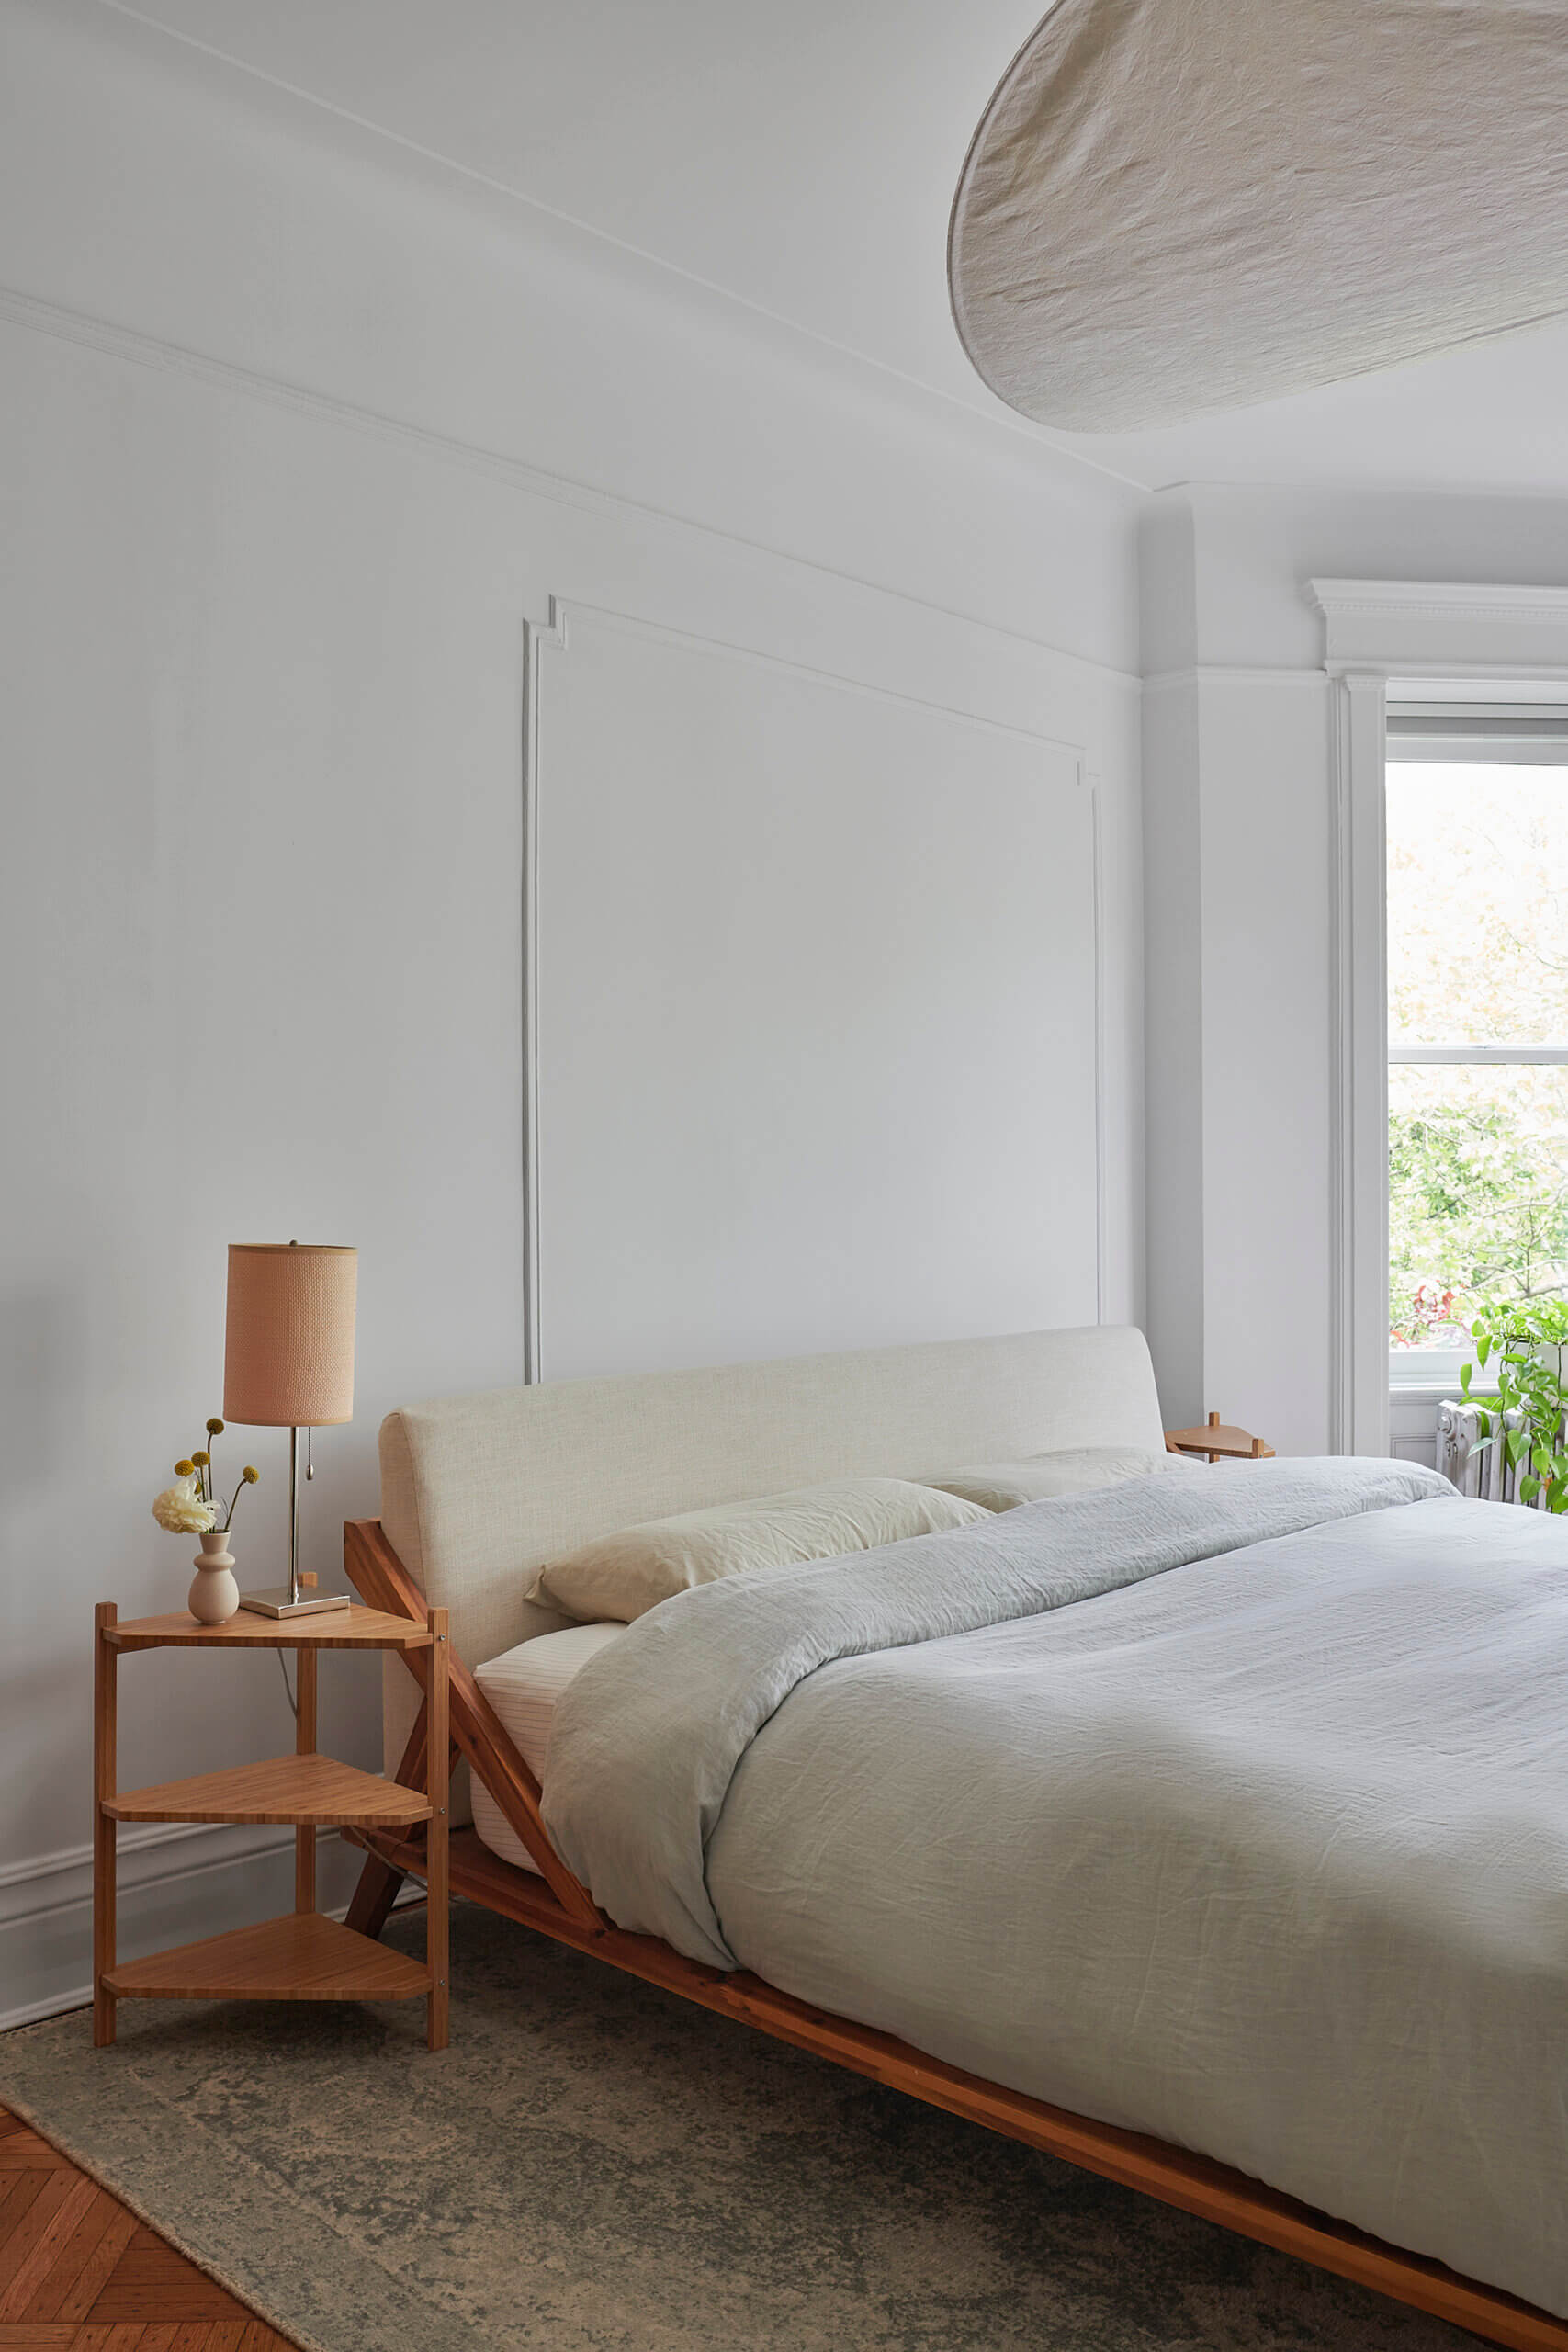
[(596, 2166)]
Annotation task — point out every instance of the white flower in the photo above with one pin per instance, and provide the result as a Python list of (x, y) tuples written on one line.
[(181, 1509)]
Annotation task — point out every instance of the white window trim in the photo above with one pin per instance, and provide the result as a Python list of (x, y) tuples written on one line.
[(1535, 736), (1375, 631)]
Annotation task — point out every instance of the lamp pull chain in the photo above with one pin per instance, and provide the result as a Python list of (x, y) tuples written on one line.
[(310, 1465)]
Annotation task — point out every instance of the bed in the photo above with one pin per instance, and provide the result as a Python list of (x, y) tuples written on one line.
[(1231, 1806)]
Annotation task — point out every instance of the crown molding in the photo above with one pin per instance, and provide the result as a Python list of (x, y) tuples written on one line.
[(1476, 600), (130, 345), (994, 422), (1437, 626)]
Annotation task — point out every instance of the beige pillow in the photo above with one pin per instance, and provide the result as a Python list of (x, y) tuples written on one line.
[(621, 1576), (1077, 1470)]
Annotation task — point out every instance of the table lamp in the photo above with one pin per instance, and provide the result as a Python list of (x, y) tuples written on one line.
[(288, 1364)]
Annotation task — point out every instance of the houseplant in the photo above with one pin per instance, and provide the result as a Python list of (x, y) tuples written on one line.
[(1526, 1340)]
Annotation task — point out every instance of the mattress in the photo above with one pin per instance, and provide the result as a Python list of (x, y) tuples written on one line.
[(523, 1685)]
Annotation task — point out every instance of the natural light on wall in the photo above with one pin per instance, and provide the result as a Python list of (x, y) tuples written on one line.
[(1478, 1043)]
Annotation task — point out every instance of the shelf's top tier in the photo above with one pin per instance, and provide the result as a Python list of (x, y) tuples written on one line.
[(1214, 1437), (336, 1629)]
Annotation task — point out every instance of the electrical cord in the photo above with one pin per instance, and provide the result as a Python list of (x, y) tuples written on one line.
[(282, 1667)]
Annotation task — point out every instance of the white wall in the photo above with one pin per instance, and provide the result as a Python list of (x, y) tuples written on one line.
[(1238, 787), (852, 1096), (294, 442)]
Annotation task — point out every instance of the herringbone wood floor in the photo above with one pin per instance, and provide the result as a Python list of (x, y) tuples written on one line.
[(80, 2274)]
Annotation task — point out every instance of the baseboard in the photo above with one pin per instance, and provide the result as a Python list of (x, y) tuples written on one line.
[(176, 1881)]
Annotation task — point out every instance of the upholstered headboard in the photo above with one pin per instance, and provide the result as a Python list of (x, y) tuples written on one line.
[(478, 1492)]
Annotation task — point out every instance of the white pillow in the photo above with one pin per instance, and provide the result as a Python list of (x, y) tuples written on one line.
[(623, 1575), (1077, 1470)]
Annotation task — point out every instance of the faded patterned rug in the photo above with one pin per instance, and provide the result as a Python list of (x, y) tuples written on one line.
[(597, 2166)]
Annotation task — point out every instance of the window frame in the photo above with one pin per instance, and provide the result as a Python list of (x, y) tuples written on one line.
[(1427, 729), (1384, 637)]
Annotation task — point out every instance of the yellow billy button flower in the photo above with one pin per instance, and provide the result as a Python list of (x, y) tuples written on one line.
[(200, 1459), (215, 1428), (184, 1469), (249, 1474)]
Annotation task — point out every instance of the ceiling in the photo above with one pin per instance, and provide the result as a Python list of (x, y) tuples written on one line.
[(802, 158)]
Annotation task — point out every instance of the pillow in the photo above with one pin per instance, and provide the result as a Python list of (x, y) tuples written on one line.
[(1079, 1470), (623, 1575)]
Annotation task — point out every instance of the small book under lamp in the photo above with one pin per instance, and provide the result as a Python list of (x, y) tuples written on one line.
[(288, 1364)]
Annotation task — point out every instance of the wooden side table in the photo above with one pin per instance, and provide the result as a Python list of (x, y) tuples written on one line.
[(1219, 1441), (303, 1956)]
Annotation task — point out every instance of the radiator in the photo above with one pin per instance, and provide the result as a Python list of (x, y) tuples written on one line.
[(1486, 1476)]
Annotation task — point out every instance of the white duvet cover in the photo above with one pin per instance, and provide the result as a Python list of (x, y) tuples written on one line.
[(1235, 1813)]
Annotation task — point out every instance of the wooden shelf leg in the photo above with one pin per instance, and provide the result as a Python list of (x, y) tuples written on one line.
[(439, 1753), (106, 1661), (304, 1745)]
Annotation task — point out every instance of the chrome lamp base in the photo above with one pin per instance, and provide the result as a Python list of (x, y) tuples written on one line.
[(294, 1598), (275, 1601)]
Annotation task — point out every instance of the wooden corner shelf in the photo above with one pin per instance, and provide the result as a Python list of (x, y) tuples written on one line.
[(302, 1956), (1219, 1441)]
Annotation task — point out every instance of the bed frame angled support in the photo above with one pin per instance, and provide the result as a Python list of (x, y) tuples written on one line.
[(378, 1881), (478, 1732)]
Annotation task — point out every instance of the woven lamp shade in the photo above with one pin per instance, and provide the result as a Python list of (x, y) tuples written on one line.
[(289, 1357)]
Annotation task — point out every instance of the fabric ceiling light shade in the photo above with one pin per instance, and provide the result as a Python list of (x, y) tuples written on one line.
[(289, 1354), (1178, 206)]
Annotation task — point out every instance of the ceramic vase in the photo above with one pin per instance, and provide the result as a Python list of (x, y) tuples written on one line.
[(214, 1595)]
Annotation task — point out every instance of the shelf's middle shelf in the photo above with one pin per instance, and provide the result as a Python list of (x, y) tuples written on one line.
[(300, 1789)]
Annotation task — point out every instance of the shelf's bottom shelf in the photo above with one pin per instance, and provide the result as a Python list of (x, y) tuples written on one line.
[(300, 1957)]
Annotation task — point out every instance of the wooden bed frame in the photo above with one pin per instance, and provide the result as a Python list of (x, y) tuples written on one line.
[(557, 1904)]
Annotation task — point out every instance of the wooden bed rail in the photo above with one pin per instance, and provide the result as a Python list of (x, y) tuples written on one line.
[(557, 1904), (1174, 2175)]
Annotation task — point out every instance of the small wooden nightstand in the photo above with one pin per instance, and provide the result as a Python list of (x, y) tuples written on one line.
[(302, 1956), (1218, 1441)]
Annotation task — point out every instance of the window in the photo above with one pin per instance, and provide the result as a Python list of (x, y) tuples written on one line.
[(1477, 817)]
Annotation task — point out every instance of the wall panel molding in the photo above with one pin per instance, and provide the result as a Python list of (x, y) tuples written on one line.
[(557, 630), (545, 641), (537, 636)]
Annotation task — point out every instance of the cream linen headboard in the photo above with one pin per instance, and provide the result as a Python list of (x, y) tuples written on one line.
[(478, 1492)]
